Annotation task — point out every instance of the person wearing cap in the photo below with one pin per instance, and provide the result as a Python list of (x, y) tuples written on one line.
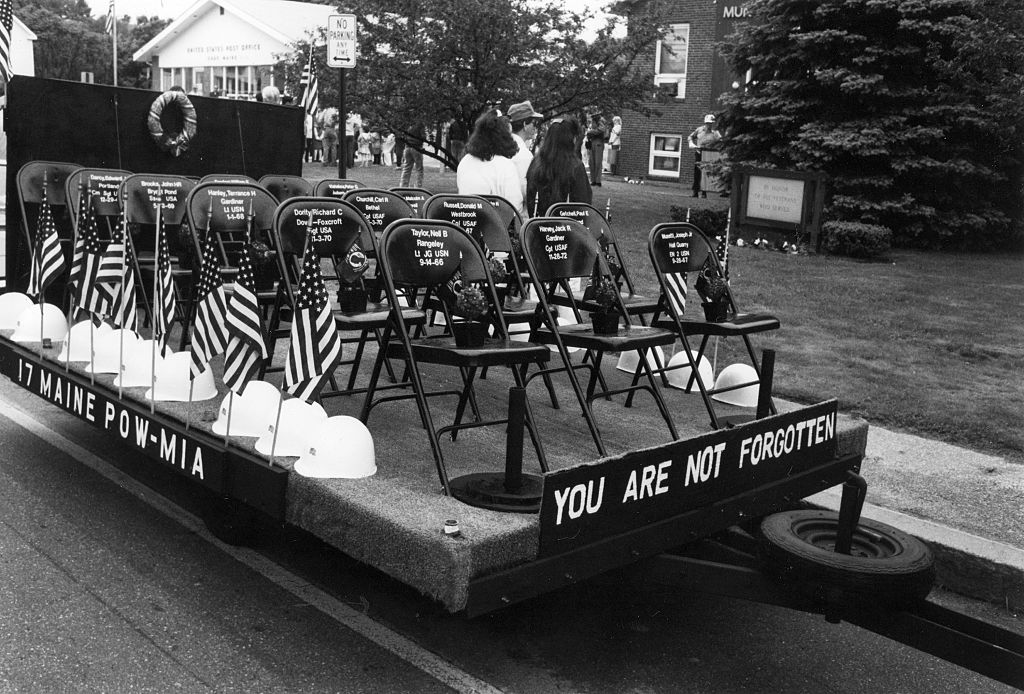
[(524, 129), (595, 138), (705, 137)]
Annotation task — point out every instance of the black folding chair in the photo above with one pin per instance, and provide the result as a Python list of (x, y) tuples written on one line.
[(228, 178), (331, 218), (414, 196), (589, 216), (335, 187), (558, 250), (140, 196), (284, 187), (104, 187), (438, 259), (241, 218), (680, 252), (32, 178)]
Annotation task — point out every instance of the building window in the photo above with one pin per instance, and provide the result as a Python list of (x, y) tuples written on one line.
[(671, 57), (666, 155)]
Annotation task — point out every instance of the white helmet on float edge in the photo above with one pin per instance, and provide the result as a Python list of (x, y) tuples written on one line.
[(11, 306), (298, 422), (82, 340), (54, 325), (628, 361), (342, 447), (172, 380), (138, 364), (252, 411), (680, 377), (732, 375), (107, 351)]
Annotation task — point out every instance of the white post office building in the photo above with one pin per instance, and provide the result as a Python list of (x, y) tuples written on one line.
[(229, 47)]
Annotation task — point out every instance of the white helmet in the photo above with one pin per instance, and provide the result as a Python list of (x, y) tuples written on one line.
[(54, 324), (82, 340), (11, 306), (679, 378), (628, 361), (732, 375), (252, 411), (172, 379), (297, 423), (106, 356), (137, 364), (341, 447)]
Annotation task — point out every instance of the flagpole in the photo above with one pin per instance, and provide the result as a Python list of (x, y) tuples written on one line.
[(39, 270), (120, 295), (72, 302), (113, 33), (227, 428), (156, 306)]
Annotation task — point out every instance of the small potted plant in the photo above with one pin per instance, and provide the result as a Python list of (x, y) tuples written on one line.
[(606, 318), (715, 294), (499, 274), (471, 304)]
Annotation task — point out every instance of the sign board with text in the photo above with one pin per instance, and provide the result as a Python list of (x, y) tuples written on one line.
[(341, 40), (770, 203)]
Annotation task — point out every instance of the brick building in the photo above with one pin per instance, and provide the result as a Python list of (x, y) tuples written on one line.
[(686, 69)]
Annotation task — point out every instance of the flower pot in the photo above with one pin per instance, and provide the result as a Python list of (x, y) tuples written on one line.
[(716, 312), (605, 323), (351, 299), (469, 333)]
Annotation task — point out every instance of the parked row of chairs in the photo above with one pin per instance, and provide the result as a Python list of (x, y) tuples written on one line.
[(422, 251)]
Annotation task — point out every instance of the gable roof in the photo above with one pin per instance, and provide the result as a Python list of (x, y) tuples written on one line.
[(284, 20)]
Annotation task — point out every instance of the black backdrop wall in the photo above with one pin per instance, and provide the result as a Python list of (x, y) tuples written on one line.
[(103, 126)]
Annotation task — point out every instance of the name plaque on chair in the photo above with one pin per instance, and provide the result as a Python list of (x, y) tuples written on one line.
[(587, 503), (323, 225), (105, 190)]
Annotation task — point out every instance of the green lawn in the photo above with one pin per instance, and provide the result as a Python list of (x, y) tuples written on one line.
[(930, 343)]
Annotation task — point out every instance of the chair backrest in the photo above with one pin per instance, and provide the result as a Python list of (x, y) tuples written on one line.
[(421, 253), (33, 174), (227, 178), (473, 214), (235, 212), (102, 185), (284, 187), (590, 217), (679, 251), (508, 212), (558, 249), (414, 196), (141, 193), (335, 187), (380, 207)]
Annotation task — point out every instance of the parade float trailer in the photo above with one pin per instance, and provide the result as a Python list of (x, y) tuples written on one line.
[(696, 512)]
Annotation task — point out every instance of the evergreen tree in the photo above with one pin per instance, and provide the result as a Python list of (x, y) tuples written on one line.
[(914, 108)]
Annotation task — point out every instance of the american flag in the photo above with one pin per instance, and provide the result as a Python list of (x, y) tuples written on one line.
[(78, 255), (111, 17), (247, 347), (315, 345), (48, 259), (309, 82), (210, 333), (124, 311), (164, 303), (722, 253), (99, 269), (6, 26)]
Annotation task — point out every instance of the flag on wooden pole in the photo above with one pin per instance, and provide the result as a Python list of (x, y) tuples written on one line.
[(164, 304), (210, 332), (247, 347), (111, 18), (6, 27), (99, 271), (48, 259), (121, 256), (315, 345), (311, 87)]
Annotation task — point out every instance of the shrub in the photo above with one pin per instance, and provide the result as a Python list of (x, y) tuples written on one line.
[(711, 222), (856, 239)]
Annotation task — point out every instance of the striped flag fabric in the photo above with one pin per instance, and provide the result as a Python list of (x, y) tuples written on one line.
[(47, 258), (78, 254), (315, 346), (210, 332), (722, 253), (247, 347), (98, 273), (111, 18), (164, 303), (311, 87), (121, 257), (6, 27), (675, 284)]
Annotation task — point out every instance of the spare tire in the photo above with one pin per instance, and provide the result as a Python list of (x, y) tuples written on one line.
[(885, 564)]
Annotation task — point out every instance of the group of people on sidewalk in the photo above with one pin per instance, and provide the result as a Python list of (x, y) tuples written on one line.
[(362, 146)]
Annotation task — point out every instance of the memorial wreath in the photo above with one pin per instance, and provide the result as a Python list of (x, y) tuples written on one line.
[(175, 143)]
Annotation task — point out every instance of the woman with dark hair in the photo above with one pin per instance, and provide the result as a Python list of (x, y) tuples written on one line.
[(487, 168), (556, 173)]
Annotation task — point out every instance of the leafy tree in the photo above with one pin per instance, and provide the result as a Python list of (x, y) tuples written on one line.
[(914, 108), (429, 61), (130, 38), (68, 40)]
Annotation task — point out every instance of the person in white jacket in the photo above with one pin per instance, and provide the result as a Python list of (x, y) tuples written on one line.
[(487, 168)]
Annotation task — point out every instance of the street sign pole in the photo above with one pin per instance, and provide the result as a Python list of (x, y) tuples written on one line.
[(342, 126), (341, 53)]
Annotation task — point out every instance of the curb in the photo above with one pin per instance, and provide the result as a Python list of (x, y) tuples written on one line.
[(966, 564)]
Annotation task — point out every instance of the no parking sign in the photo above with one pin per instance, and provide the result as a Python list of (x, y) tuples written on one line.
[(341, 40)]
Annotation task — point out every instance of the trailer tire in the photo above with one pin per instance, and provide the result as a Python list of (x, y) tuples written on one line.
[(885, 564)]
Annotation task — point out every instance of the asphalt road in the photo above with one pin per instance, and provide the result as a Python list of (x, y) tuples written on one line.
[(107, 586)]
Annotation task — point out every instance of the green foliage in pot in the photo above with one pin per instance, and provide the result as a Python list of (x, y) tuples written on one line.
[(471, 302)]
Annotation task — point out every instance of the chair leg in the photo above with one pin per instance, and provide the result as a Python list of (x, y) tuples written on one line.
[(656, 392), (757, 369), (356, 360), (531, 425), (468, 375)]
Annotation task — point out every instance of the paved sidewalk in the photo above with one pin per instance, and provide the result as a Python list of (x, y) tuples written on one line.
[(968, 506)]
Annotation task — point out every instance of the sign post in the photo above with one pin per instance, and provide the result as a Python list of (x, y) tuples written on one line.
[(341, 53)]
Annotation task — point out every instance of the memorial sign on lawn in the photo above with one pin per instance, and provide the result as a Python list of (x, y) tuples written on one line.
[(782, 204)]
